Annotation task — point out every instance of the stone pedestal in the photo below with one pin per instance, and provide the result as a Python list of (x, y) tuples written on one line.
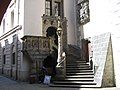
[(60, 72)]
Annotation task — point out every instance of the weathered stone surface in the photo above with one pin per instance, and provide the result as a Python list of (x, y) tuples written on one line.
[(36, 47), (108, 75), (100, 51), (47, 23)]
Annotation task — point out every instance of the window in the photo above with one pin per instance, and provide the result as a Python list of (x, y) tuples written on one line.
[(57, 8), (3, 25), (13, 58), (4, 59), (48, 7), (4, 56), (12, 19), (13, 54)]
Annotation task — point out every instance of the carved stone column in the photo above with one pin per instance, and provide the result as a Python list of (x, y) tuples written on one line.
[(59, 33), (61, 58)]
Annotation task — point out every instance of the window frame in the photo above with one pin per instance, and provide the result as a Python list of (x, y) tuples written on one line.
[(48, 7), (13, 58), (13, 55), (58, 8), (4, 57), (4, 25), (12, 18)]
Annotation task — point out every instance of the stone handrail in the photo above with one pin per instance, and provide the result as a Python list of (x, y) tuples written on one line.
[(36, 43), (62, 63)]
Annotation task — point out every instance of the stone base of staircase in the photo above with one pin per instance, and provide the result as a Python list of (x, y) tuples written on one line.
[(74, 86), (78, 72)]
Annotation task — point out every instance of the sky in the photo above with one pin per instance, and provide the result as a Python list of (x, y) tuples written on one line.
[(105, 17), (99, 18)]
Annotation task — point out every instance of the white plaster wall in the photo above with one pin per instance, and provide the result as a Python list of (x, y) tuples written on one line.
[(18, 8), (18, 12), (7, 17), (70, 14), (105, 17), (34, 9), (21, 17)]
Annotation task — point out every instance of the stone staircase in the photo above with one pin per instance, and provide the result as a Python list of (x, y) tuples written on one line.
[(78, 74)]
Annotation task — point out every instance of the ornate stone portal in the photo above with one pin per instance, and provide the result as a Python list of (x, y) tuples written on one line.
[(58, 23), (52, 21)]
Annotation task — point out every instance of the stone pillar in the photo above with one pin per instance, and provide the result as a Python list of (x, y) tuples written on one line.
[(59, 33), (60, 60)]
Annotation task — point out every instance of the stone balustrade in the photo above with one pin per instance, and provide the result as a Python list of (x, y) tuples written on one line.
[(38, 47)]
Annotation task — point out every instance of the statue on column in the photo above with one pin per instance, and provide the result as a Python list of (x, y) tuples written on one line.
[(59, 32)]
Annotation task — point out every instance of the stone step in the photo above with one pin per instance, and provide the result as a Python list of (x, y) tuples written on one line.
[(80, 76), (80, 73), (73, 86), (78, 79), (74, 83), (73, 54), (70, 62), (77, 64), (80, 68)]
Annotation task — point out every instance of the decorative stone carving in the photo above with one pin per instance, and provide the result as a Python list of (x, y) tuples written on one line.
[(83, 12), (44, 21), (36, 46), (52, 21)]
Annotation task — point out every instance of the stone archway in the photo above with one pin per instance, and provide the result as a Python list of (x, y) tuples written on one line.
[(52, 33)]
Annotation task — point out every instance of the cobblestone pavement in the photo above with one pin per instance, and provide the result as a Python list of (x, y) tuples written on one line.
[(8, 84)]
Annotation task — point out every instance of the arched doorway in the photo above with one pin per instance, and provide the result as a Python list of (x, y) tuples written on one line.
[(52, 33)]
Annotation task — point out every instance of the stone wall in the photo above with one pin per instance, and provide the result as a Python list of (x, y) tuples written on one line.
[(9, 69), (0, 58), (103, 62), (108, 75)]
